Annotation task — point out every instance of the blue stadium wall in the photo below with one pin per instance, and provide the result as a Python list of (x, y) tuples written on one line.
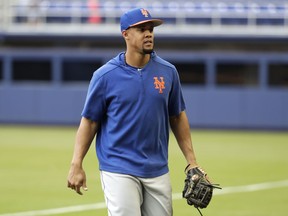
[(208, 106)]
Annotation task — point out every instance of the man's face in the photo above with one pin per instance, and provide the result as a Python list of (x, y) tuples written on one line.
[(141, 38)]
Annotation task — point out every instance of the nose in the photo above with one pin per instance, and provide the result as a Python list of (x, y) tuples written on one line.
[(148, 33)]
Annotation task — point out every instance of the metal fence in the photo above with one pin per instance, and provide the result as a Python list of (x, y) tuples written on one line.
[(255, 17)]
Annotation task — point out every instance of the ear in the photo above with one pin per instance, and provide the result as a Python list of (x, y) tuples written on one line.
[(125, 34)]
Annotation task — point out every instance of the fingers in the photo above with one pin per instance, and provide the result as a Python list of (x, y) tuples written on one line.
[(77, 179), (85, 188), (77, 187), (78, 190)]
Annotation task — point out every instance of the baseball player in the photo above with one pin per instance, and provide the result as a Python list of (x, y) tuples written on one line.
[(131, 102)]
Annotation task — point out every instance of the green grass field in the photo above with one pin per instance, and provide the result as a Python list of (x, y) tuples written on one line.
[(34, 163)]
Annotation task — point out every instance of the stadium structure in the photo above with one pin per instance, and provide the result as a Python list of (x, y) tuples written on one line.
[(232, 57)]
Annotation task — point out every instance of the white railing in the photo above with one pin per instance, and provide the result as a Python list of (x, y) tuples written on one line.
[(186, 17)]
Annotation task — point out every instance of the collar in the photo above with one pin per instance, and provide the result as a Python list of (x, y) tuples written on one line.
[(123, 59)]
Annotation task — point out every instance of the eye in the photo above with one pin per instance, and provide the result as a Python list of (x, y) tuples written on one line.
[(143, 29)]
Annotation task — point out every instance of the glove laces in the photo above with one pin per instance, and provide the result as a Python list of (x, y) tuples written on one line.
[(199, 211), (217, 186)]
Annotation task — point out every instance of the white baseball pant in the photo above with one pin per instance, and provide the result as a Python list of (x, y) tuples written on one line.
[(127, 195)]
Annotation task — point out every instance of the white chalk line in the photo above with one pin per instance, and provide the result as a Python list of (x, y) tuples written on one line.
[(175, 196)]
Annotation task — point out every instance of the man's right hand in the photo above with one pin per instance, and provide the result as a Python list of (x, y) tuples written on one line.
[(77, 179)]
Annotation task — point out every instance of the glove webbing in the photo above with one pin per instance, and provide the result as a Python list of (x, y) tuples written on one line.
[(196, 202)]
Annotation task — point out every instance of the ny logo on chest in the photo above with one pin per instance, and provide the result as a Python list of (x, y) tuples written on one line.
[(159, 84)]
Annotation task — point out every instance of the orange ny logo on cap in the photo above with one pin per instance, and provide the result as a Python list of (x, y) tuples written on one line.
[(144, 12)]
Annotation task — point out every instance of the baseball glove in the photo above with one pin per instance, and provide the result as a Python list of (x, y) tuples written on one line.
[(198, 190)]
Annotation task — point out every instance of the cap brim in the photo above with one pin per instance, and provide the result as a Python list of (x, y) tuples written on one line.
[(156, 22)]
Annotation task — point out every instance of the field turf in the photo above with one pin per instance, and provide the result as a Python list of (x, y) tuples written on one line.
[(34, 163)]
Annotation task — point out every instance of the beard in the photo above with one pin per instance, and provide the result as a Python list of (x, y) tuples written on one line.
[(148, 51)]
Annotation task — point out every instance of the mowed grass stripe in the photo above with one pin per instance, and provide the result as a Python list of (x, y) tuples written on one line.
[(176, 196)]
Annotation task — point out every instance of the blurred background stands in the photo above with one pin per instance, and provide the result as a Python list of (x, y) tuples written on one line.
[(182, 15)]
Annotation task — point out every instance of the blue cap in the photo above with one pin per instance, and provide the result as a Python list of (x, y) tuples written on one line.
[(136, 17)]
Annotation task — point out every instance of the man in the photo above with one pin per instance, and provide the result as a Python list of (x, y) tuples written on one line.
[(130, 104)]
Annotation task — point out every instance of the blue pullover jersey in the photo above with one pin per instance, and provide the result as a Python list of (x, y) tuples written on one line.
[(133, 108)]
